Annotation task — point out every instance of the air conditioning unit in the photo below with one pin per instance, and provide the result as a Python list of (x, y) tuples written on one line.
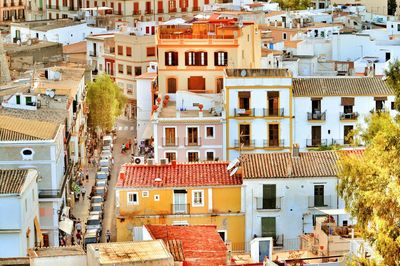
[(138, 160), (164, 161)]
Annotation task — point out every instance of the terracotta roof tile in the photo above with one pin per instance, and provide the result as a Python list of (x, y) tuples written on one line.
[(12, 180), (284, 165), (201, 244), (180, 175), (340, 86)]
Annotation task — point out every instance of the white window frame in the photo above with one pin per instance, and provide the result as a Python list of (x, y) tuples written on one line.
[(198, 133), (205, 154), (205, 133), (187, 154), (169, 151), (164, 135), (202, 197), (145, 194), (128, 196)]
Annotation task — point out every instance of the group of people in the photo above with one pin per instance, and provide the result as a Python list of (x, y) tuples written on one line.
[(81, 178)]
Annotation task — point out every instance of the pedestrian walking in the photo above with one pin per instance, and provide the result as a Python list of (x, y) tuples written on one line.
[(87, 174), (78, 226), (77, 195), (78, 238), (112, 161), (83, 191), (108, 236)]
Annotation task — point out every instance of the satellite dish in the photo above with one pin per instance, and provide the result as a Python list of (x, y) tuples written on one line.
[(232, 164), (234, 171), (243, 73)]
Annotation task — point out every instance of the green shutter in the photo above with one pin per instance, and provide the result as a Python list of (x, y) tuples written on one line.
[(269, 197), (268, 227)]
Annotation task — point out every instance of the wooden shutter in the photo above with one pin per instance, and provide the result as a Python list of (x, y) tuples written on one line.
[(166, 58), (216, 59), (174, 58), (187, 54), (347, 101), (380, 98), (244, 94)]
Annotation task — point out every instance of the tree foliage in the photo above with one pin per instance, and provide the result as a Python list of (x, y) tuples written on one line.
[(393, 78), (294, 4), (106, 102), (392, 6), (369, 184)]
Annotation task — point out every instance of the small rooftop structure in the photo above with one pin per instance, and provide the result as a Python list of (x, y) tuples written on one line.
[(129, 253), (195, 245), (176, 175), (56, 251), (257, 73)]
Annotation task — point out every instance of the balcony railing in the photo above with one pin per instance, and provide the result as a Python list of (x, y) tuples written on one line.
[(137, 12), (172, 10), (180, 208), (196, 8), (268, 203), (316, 116), (348, 116), (192, 141), (92, 53), (276, 112), (148, 11), (167, 142), (317, 142), (160, 11), (244, 112), (249, 144), (341, 142), (57, 193), (320, 201), (274, 143)]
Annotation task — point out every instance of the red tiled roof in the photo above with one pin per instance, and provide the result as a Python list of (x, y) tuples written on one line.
[(201, 244), (179, 175)]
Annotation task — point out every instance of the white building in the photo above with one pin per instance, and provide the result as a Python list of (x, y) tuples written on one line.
[(97, 46), (63, 31), (19, 208), (29, 143), (268, 110), (283, 193)]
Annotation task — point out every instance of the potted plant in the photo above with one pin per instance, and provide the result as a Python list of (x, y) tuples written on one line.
[(165, 102), (201, 107)]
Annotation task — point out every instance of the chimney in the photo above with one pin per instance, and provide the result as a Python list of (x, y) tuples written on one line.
[(122, 175), (173, 163), (296, 150)]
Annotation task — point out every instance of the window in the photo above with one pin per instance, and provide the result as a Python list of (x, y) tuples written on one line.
[(269, 197), (138, 71), (190, 59), (192, 136), (284, 36), (273, 135), (145, 194), (380, 103), (221, 58), (315, 136), (129, 89), (220, 85), (170, 137), (171, 58), (268, 227), (120, 50), (196, 58), (171, 82), (244, 135), (392, 104), (197, 84), (180, 204), (210, 156), (129, 70), (120, 69), (27, 154), (151, 51), (128, 51), (18, 99), (171, 156), (273, 103), (133, 198), (222, 234), (244, 100), (198, 198), (319, 196), (193, 156), (210, 132)]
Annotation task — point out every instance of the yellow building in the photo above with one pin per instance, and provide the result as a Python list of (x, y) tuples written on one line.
[(193, 57), (180, 194)]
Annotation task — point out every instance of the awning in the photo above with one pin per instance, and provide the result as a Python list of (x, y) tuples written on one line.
[(333, 211), (244, 94), (380, 98), (66, 225), (148, 131), (65, 211), (347, 101), (39, 234)]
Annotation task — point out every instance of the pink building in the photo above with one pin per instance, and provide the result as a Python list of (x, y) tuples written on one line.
[(188, 135)]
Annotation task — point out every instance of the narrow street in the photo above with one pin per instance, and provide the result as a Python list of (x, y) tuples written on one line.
[(126, 129)]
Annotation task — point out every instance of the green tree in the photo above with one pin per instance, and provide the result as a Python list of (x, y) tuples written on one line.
[(393, 79), (294, 4), (106, 102), (392, 6), (369, 185)]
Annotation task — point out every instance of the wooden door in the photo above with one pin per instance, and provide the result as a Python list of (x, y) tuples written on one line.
[(268, 227), (160, 7), (197, 84), (135, 8), (318, 195), (170, 136), (172, 85), (273, 135), (269, 197), (119, 8), (316, 135)]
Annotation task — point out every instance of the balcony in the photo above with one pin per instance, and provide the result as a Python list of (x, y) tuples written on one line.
[(317, 142), (196, 8), (276, 112), (268, 204), (349, 116), (180, 208), (170, 142), (93, 54), (320, 202), (137, 12), (183, 9), (316, 116), (192, 142), (148, 11), (245, 144), (160, 11), (342, 142), (172, 10), (274, 143), (238, 112), (57, 193)]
